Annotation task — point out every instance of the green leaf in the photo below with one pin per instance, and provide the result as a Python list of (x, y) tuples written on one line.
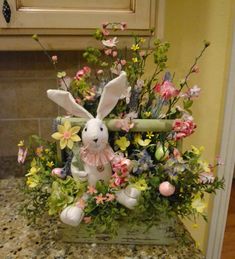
[(187, 104)]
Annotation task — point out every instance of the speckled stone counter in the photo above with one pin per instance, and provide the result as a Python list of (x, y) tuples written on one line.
[(19, 240)]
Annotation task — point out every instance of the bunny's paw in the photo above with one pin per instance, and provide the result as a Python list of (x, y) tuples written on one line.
[(128, 197), (72, 215)]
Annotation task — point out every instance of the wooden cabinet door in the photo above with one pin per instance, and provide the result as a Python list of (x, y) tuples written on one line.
[(79, 14)]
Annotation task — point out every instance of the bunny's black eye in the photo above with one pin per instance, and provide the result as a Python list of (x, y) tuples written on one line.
[(101, 128), (85, 129)]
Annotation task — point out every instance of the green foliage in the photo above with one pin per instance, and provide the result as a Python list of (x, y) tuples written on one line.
[(160, 53), (64, 193), (154, 157), (92, 55), (98, 35)]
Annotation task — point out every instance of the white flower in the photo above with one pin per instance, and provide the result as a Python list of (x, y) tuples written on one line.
[(110, 43), (139, 83), (116, 69), (206, 177), (194, 91)]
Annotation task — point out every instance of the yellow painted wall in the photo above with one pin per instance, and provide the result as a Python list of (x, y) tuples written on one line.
[(187, 24)]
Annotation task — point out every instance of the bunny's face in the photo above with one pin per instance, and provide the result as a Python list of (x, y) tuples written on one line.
[(95, 135)]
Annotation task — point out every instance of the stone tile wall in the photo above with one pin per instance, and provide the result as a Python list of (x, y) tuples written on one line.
[(24, 106)]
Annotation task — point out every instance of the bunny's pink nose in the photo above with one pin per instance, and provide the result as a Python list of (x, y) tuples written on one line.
[(95, 140)]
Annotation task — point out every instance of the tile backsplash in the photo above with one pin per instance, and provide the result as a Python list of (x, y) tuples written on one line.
[(25, 108)]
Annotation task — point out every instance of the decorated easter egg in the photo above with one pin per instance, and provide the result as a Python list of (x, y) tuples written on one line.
[(166, 189), (161, 153)]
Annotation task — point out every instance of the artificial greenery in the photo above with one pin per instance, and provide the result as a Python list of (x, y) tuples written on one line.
[(172, 182)]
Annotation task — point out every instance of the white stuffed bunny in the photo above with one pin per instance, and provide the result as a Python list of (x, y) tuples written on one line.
[(96, 152)]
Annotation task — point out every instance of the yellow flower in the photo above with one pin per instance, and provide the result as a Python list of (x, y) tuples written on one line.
[(197, 151), (135, 60), (142, 40), (140, 185), (123, 143), (147, 114), (198, 204), (50, 164), (67, 135), (205, 166), (33, 162), (135, 47), (33, 170), (32, 182), (47, 150), (149, 134), (140, 141), (21, 143)]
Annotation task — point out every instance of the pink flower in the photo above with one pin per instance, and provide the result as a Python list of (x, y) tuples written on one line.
[(142, 53), (91, 189), (123, 62), (81, 204), (110, 197), (80, 74), (123, 26), (86, 70), (105, 32), (176, 153), (54, 59), (100, 199), (125, 124), (110, 43), (114, 53), (183, 128), (22, 153), (166, 90), (117, 179), (108, 52), (87, 220), (195, 69), (121, 165)]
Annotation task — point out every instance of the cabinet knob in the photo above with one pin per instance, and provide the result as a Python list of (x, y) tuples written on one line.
[(6, 11)]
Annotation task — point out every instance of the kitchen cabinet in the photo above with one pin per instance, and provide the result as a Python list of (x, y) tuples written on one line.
[(69, 24)]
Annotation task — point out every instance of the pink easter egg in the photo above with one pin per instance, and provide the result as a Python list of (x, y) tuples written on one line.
[(166, 189), (57, 172)]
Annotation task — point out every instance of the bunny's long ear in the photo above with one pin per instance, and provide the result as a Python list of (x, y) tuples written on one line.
[(66, 101), (111, 94)]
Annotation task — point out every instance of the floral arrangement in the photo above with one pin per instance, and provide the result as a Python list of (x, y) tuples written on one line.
[(166, 181)]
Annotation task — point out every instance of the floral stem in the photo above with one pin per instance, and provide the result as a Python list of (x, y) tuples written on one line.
[(185, 83)]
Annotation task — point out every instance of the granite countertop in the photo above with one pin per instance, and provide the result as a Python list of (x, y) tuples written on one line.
[(20, 240)]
